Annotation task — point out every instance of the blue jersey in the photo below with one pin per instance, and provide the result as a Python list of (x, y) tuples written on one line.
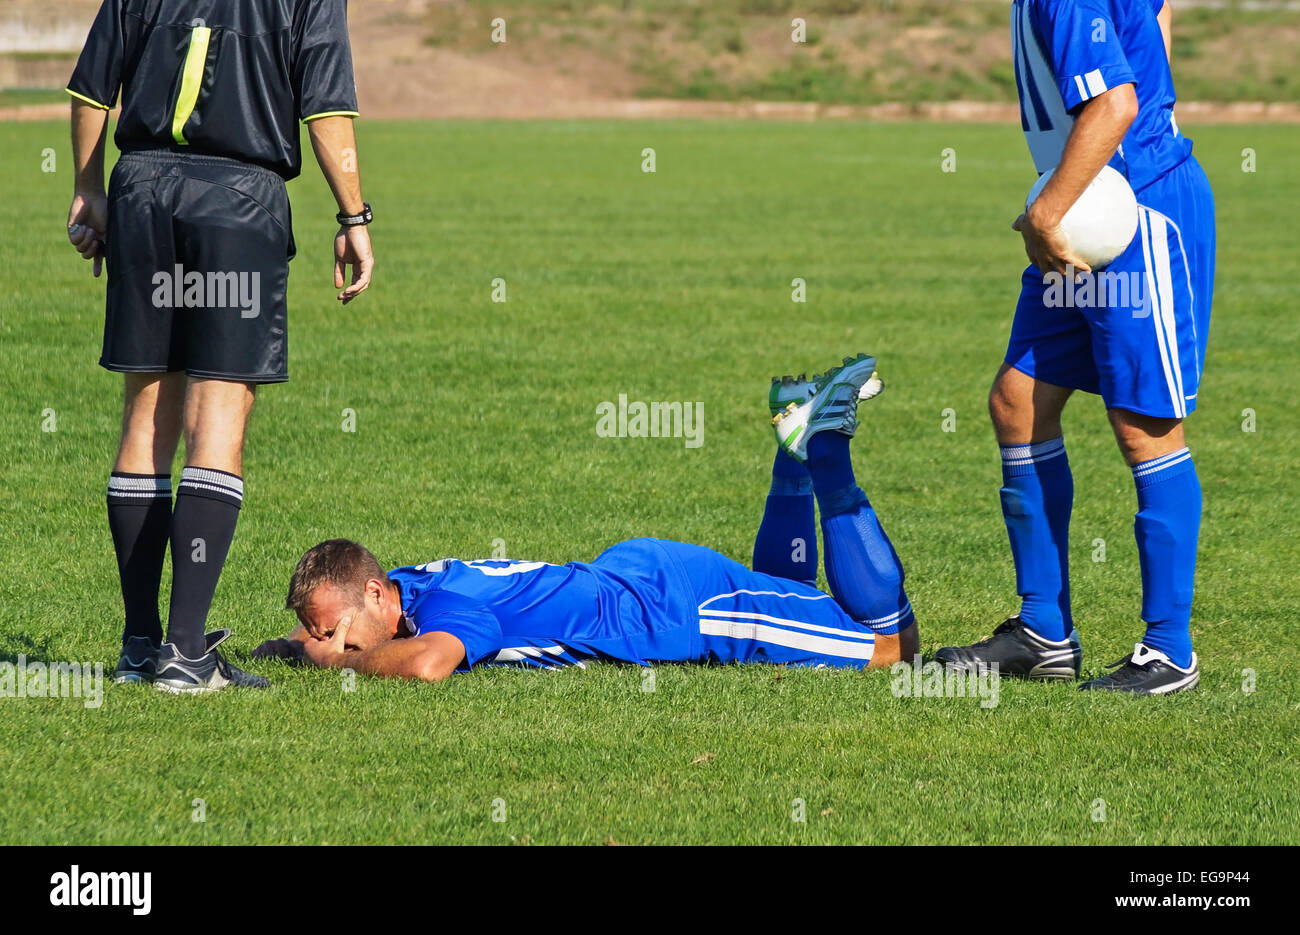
[(642, 601), (1067, 52), (543, 615)]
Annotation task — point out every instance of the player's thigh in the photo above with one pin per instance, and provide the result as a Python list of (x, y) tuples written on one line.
[(1050, 340), (1146, 338), (234, 228), (748, 616)]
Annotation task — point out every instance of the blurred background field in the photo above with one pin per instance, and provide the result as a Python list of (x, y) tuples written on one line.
[(566, 58)]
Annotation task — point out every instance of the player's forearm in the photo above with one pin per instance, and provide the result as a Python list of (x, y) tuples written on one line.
[(1097, 133), (335, 143), (405, 659), (89, 126)]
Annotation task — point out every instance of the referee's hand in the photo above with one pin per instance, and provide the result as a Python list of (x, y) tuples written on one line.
[(352, 248), (87, 227)]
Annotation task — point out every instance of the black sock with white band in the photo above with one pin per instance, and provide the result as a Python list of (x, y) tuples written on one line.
[(203, 525), (139, 518)]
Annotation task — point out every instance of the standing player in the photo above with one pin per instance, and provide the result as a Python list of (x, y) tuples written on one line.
[(1095, 89), (197, 235), (641, 601)]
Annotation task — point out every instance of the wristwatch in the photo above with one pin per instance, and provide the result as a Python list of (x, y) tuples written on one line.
[(356, 220)]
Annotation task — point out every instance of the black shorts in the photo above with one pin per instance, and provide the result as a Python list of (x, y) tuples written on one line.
[(198, 265)]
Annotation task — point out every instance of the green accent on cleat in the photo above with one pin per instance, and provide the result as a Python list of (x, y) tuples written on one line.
[(831, 404)]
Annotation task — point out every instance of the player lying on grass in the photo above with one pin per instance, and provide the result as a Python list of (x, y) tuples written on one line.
[(645, 600)]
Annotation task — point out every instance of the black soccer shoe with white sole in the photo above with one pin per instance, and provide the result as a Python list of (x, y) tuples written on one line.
[(1016, 650), (209, 673), (138, 662), (1146, 671)]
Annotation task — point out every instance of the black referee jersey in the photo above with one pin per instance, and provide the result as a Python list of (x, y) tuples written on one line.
[(219, 77)]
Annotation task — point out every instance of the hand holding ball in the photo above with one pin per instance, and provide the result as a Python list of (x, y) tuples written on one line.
[(1101, 223)]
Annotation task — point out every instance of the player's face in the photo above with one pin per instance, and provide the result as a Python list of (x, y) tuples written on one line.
[(328, 606)]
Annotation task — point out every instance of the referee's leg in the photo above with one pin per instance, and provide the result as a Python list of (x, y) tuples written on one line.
[(208, 500), (139, 495)]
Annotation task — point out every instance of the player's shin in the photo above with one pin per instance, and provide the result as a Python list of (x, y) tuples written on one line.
[(786, 544), (862, 568), (1037, 497), (1167, 527)]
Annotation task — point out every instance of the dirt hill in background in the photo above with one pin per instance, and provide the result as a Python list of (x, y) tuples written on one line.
[(658, 58)]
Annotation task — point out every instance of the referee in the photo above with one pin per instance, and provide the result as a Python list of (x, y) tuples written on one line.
[(196, 232)]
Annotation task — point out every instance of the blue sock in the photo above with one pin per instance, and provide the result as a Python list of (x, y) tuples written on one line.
[(789, 474), (1037, 495), (786, 544), (1167, 525), (862, 568), (829, 464)]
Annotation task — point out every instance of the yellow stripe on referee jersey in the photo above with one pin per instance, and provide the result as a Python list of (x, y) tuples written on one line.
[(89, 100), (331, 113), (191, 80)]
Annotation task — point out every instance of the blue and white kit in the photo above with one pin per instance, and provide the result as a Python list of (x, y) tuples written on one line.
[(642, 601), (1138, 338)]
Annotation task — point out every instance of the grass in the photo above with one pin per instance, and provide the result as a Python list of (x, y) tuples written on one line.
[(475, 422)]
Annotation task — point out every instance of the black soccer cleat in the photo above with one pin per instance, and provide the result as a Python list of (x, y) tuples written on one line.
[(1014, 649), (1146, 671), (209, 673), (138, 662)]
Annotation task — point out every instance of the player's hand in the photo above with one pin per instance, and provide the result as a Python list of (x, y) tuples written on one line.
[(352, 248), (279, 649), (1047, 247), (88, 227), (329, 653)]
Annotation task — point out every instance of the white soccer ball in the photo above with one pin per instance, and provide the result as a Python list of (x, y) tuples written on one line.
[(1101, 224)]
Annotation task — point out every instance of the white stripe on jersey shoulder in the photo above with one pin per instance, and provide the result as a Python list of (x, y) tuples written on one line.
[(439, 565), (1096, 83)]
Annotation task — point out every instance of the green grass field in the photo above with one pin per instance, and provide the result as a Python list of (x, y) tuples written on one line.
[(475, 421)]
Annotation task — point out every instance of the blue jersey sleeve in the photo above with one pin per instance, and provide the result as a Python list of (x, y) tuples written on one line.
[(1084, 47), (466, 619)]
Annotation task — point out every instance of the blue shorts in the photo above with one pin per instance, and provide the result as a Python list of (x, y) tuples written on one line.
[(739, 615), (1136, 333)]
